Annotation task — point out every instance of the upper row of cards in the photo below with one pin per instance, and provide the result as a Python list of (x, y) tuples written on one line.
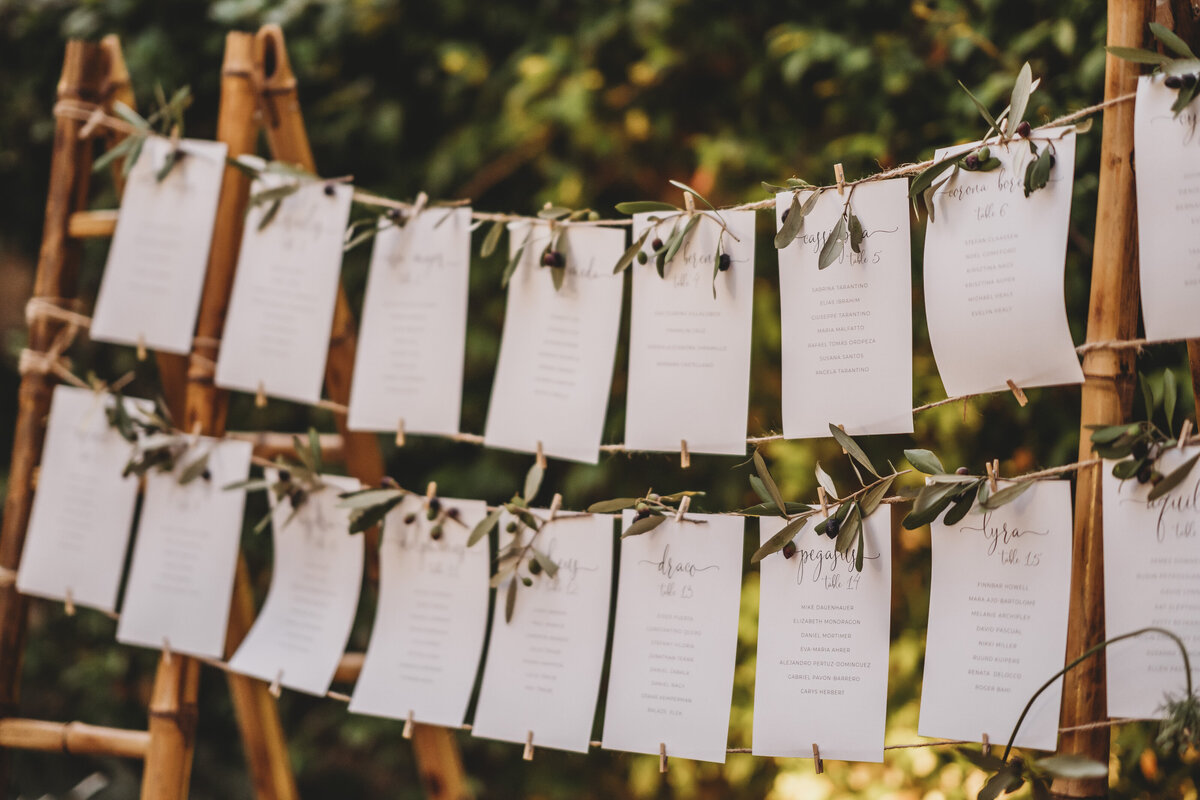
[(993, 275)]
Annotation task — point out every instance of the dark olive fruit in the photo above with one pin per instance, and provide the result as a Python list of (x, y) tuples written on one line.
[(723, 262), (962, 471), (297, 498), (435, 532), (832, 527), (786, 211), (535, 567), (527, 581), (1024, 129), (657, 244), (410, 518), (1145, 473), (453, 513), (642, 257), (1140, 449), (329, 190), (643, 513), (394, 214), (435, 505), (789, 550), (207, 475), (548, 258), (1173, 82), (1189, 81), (284, 476), (511, 527), (971, 161)]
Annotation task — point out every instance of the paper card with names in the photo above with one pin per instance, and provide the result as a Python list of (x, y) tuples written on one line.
[(281, 307), (675, 638), (685, 344), (847, 329), (543, 667), (411, 347), (302, 629), (998, 619), (558, 347), (1151, 578), (431, 619), (1168, 209), (150, 292), (994, 267), (823, 637), (184, 557), (83, 508)]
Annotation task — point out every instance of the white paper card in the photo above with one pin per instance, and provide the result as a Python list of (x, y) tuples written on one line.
[(543, 667), (998, 619), (159, 255), (302, 630), (414, 327), (185, 555), (83, 509), (689, 352), (675, 638), (994, 267), (822, 666), (1168, 208), (558, 347), (1151, 578), (847, 329), (431, 620), (281, 309)]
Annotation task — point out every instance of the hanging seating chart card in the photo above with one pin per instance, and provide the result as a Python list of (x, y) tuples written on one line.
[(998, 619), (847, 328), (431, 619), (675, 638), (83, 507), (542, 678), (181, 576), (823, 637), (994, 267), (1168, 209), (689, 339), (558, 346), (1151, 578), (302, 630), (281, 308), (409, 366), (150, 292)]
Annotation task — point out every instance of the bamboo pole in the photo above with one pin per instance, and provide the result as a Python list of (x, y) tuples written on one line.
[(206, 406), (1107, 393), (74, 738), (435, 749), (58, 261), (1183, 20)]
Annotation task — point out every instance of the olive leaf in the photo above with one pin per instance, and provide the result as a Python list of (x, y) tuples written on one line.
[(849, 530), (764, 475), (1006, 495), (925, 461), (629, 255), (852, 449), (643, 525), (832, 249), (1020, 97), (961, 504), (533, 481), (874, 496), (792, 225), (1072, 765), (510, 599), (1037, 172), (1173, 478), (993, 125), (780, 540), (1171, 41), (925, 179), (857, 234), (1139, 56), (677, 241), (492, 240), (644, 206), (515, 260), (485, 526), (825, 482), (609, 506), (1170, 393)]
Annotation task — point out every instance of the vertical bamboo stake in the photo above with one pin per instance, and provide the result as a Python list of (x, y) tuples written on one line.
[(1107, 392), (1183, 20), (58, 261), (206, 407), (435, 749)]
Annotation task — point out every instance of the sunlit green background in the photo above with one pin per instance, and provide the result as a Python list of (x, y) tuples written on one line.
[(584, 104)]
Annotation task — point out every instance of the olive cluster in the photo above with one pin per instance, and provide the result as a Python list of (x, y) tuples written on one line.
[(436, 513)]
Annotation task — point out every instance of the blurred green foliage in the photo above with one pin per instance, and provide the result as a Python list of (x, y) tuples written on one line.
[(584, 104)]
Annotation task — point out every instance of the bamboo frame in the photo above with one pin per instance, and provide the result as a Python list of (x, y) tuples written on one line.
[(75, 738)]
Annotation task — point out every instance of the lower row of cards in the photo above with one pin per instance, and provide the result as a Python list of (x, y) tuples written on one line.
[(997, 623)]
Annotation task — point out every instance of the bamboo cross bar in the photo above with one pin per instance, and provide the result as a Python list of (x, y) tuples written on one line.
[(75, 738)]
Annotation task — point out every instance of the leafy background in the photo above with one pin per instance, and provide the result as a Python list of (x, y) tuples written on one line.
[(584, 104)]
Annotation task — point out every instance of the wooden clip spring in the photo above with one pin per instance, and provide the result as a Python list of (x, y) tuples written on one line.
[(276, 687), (260, 397), (839, 175), (141, 347), (684, 504), (662, 758), (528, 754), (818, 763), (1022, 400), (400, 432), (69, 602), (541, 455), (824, 498), (555, 505), (685, 457), (407, 733), (987, 745)]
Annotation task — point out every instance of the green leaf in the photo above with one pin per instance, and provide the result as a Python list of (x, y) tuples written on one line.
[(1007, 494), (1106, 434), (1002, 782), (1020, 97), (988, 763), (553, 212), (1152, 393), (852, 449), (510, 599), (269, 214), (677, 241), (1173, 478), (926, 461), (135, 152), (1172, 42), (368, 497), (874, 496), (825, 482), (609, 506), (1124, 470), (1037, 174), (857, 234), (364, 519), (547, 564), (116, 151), (558, 275), (485, 526), (492, 240), (925, 180), (533, 482), (644, 206), (764, 475), (1170, 394), (195, 469), (1072, 765), (832, 249), (515, 260), (760, 489), (629, 255), (249, 485), (1138, 55), (314, 448), (129, 115), (643, 525), (850, 529), (961, 504), (791, 226), (683, 186), (931, 502), (859, 547), (779, 540), (983, 111)]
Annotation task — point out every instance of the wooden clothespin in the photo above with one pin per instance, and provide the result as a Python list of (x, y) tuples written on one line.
[(839, 175), (987, 745), (1022, 400), (684, 504), (685, 458), (260, 398), (141, 347), (555, 505), (824, 498), (818, 763), (93, 122), (528, 754), (166, 650), (1185, 430), (419, 206), (689, 204), (400, 432), (662, 758), (991, 468), (69, 602), (276, 687), (430, 493), (541, 455), (408, 726)]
